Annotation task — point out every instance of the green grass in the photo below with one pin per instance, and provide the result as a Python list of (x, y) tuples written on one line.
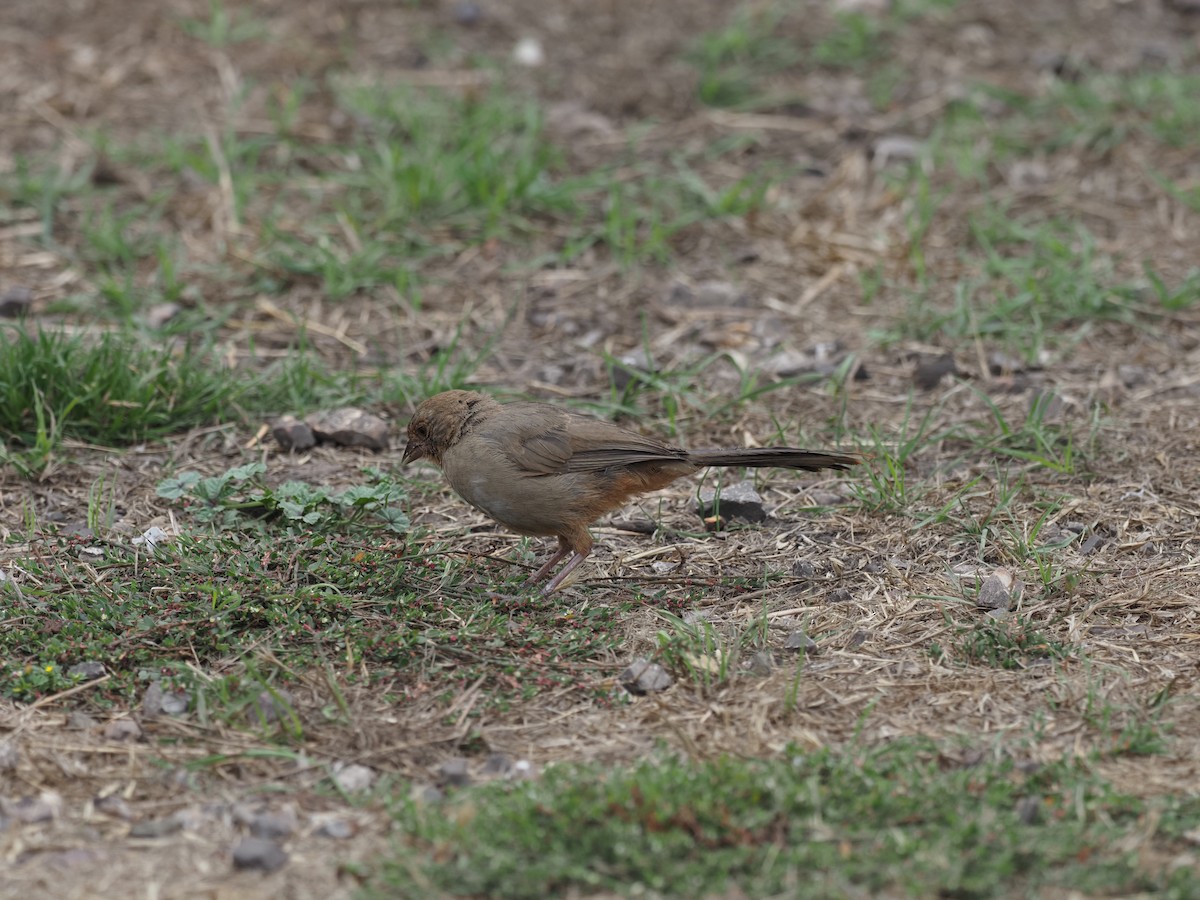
[(421, 176), (301, 577), (1035, 285), (733, 60), (1007, 645), (114, 389), (901, 819)]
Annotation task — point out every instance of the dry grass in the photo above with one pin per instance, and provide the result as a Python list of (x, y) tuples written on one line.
[(874, 588)]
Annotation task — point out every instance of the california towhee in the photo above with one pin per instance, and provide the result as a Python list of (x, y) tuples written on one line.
[(541, 470)]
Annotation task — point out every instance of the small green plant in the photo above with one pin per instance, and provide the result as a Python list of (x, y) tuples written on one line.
[(857, 39), (34, 680), (1036, 439), (227, 500), (733, 60), (223, 28), (1007, 644), (697, 651), (1183, 296), (885, 485)]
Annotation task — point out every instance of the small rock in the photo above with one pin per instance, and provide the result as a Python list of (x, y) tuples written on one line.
[(1000, 363), (802, 568), (761, 663), (632, 368), (1047, 405), (858, 639), (1029, 810), (9, 755), (15, 301), (427, 793), (798, 640), (735, 501), (455, 772), (175, 703), (350, 427), (467, 13), (497, 764), (995, 592), (160, 314), (78, 721), (88, 670), (1133, 376), (113, 805), (528, 52), (893, 147), (155, 828), (292, 434), (644, 677), (122, 730), (523, 770), (258, 854), (352, 778), (274, 824), (90, 553), (157, 702), (930, 371), (338, 829), (839, 595), (271, 706), (151, 538), (571, 120), (664, 567), (44, 807)]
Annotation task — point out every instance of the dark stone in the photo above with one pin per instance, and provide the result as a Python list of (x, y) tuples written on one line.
[(736, 501), (350, 427), (258, 854), (930, 371), (292, 434)]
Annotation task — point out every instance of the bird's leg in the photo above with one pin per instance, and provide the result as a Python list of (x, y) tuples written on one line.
[(566, 570), (540, 575)]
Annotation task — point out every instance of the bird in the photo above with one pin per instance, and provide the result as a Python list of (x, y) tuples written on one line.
[(544, 471)]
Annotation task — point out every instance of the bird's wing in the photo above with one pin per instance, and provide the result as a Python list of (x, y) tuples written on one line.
[(544, 440), (600, 445), (532, 435)]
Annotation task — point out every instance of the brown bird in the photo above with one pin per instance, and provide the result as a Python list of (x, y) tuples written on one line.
[(541, 470)]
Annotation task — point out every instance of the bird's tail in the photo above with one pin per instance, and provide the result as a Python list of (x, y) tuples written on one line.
[(783, 457)]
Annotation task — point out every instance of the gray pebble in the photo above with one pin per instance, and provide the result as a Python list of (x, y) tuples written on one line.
[(798, 640), (258, 854), (644, 677)]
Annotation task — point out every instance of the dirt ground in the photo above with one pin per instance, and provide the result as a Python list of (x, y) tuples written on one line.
[(878, 591)]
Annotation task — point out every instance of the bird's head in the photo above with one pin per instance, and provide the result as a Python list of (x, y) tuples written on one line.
[(439, 423)]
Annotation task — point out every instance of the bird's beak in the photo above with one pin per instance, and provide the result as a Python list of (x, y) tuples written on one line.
[(414, 450)]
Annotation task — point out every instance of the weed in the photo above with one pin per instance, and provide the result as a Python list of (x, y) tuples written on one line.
[(892, 820), (1007, 644)]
